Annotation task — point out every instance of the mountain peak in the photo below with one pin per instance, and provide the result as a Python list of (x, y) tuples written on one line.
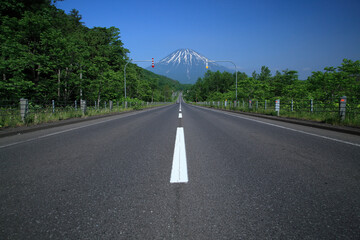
[(185, 65), (183, 55)]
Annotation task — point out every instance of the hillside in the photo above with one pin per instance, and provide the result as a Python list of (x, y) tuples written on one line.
[(50, 55)]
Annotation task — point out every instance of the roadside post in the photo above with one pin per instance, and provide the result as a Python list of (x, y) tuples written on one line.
[(83, 106), (265, 105), (342, 108), (277, 106), (24, 108)]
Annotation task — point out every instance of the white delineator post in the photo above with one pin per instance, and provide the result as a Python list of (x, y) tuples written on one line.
[(342, 108), (24, 108), (277, 106), (110, 105), (83, 106)]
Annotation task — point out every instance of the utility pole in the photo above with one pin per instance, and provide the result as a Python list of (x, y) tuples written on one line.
[(152, 60), (235, 71), (81, 77)]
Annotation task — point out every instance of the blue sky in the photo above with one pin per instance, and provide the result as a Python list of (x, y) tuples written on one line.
[(302, 35)]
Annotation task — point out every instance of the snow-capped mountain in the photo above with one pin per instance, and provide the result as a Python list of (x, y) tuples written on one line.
[(185, 65)]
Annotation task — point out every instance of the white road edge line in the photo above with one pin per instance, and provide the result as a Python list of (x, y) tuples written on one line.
[(290, 129), (179, 167), (71, 129), (52, 134)]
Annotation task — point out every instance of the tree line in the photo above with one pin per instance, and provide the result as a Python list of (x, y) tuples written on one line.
[(47, 54), (331, 83)]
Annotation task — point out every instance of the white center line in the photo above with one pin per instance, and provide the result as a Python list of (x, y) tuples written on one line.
[(179, 167), (180, 115)]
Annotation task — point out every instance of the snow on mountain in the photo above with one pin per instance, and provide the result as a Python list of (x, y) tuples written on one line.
[(183, 55), (185, 65)]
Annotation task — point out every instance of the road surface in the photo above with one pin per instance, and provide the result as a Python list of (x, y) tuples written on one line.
[(247, 178)]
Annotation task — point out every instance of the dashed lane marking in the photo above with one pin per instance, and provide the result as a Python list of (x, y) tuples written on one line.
[(179, 167)]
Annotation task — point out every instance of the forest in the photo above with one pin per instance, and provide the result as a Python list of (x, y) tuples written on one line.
[(47, 55), (332, 83)]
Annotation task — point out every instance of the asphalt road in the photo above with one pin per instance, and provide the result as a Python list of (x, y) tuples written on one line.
[(248, 178)]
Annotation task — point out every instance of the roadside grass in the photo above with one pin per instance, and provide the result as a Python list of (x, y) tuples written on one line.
[(351, 119), (45, 115)]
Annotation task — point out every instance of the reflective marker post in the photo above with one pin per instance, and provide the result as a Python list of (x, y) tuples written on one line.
[(342, 108), (277, 106), (24, 108), (83, 106)]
